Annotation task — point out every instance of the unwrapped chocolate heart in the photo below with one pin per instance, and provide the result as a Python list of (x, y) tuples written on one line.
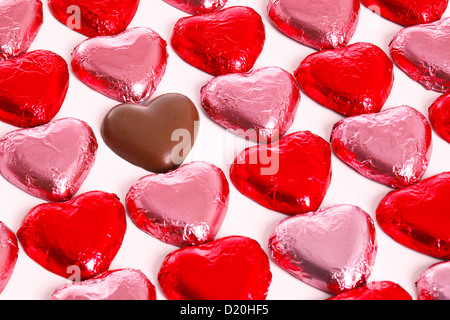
[(332, 249), (9, 252), (379, 290), (434, 283), (197, 6), (439, 115), (194, 216)]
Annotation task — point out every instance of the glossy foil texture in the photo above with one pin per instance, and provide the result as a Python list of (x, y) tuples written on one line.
[(225, 41), (121, 284), (197, 6), (361, 83), (99, 63), (291, 175), (317, 24), (32, 88), (231, 268), (9, 252), (421, 52), (20, 22), (380, 290), (434, 282), (332, 249), (408, 12), (259, 105), (49, 161), (94, 17), (84, 233), (417, 216), (439, 115), (392, 147), (182, 207)]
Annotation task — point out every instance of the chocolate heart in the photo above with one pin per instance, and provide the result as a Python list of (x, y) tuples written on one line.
[(439, 115), (332, 249), (40, 160), (291, 175), (434, 283), (99, 61), (94, 17), (316, 23), (85, 232), (231, 268), (226, 41), (33, 88), (407, 12), (156, 137), (392, 147), (380, 290), (417, 216), (20, 22), (193, 217), (258, 105), (197, 6), (421, 52), (121, 284), (9, 252), (362, 83)]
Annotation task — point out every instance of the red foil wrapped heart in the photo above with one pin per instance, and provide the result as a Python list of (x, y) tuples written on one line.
[(9, 252), (20, 22), (197, 6), (439, 115), (417, 216), (408, 12), (361, 83), (33, 88), (94, 17), (195, 217), (231, 268), (317, 24), (434, 283), (121, 284), (225, 41), (84, 233), (380, 290), (291, 175), (392, 147)]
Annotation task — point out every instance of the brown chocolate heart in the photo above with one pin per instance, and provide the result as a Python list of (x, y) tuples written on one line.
[(156, 137)]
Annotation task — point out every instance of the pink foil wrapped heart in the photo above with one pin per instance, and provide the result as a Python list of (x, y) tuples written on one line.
[(434, 282), (20, 22), (50, 161), (422, 53), (197, 6), (99, 63), (9, 252), (392, 147), (193, 217), (332, 249), (260, 105), (318, 24)]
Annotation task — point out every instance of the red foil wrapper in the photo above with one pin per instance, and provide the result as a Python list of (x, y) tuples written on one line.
[(434, 282), (226, 41), (439, 115), (9, 252), (197, 6), (380, 290), (332, 249), (231, 268)]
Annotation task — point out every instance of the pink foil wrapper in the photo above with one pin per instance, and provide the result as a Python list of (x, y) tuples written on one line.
[(197, 6), (434, 282), (9, 252)]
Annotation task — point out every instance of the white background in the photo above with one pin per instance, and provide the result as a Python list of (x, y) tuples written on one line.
[(112, 174)]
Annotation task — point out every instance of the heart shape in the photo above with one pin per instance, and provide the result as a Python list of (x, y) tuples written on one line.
[(364, 82), (439, 115), (259, 105), (379, 290), (98, 62), (230, 268), (191, 217), (417, 216), (94, 17), (197, 6), (332, 249), (225, 41), (421, 52), (33, 87), (41, 162), (20, 22), (9, 252), (392, 147), (291, 175), (316, 23), (407, 12), (121, 284), (149, 136), (433, 283), (82, 235)]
